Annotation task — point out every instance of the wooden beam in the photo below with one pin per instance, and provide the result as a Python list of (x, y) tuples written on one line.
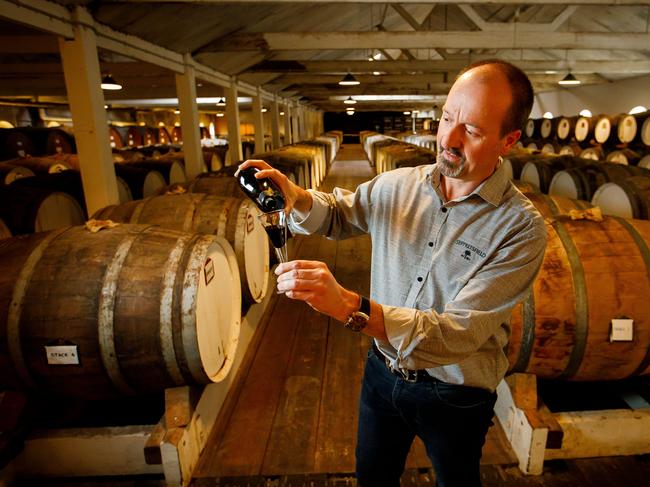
[(82, 79), (232, 118), (258, 123), (519, 39), (628, 66), (275, 124), (46, 16), (186, 90), (482, 2)]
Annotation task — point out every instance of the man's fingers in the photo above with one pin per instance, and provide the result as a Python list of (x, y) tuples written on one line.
[(298, 264)]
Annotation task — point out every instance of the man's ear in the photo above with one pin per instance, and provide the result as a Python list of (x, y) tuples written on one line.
[(509, 141)]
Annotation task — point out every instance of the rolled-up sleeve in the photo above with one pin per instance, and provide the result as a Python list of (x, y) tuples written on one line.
[(337, 215), (427, 339)]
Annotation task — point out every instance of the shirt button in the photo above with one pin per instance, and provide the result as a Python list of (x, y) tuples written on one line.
[(443, 209), (430, 244), (419, 279)]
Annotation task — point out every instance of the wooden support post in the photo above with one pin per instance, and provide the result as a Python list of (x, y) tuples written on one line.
[(234, 134), (186, 90), (295, 125), (275, 124), (86, 99), (258, 122), (516, 402), (288, 136)]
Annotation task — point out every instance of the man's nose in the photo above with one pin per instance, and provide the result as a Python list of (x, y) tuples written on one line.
[(451, 138)]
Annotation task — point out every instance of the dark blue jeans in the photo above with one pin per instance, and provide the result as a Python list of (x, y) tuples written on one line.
[(451, 420)]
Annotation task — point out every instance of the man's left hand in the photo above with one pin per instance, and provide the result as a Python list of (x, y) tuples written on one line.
[(312, 282)]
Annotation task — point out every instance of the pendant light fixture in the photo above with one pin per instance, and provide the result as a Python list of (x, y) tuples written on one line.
[(221, 102), (569, 80), (349, 80), (108, 83), (350, 101)]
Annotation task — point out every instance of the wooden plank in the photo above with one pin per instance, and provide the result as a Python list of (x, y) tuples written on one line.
[(292, 444), (236, 453), (603, 433)]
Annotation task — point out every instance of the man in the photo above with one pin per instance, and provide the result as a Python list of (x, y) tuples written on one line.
[(455, 246)]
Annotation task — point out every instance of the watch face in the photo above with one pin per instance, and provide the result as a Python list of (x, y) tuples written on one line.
[(357, 321)]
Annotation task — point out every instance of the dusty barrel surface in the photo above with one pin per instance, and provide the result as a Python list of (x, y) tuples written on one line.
[(136, 309), (592, 272), (234, 219)]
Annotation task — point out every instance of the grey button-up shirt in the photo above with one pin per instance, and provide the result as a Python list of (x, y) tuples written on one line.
[(447, 274)]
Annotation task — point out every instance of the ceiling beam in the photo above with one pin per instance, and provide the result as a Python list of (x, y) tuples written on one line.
[(333, 79), (519, 39), (486, 26), (482, 2), (363, 66)]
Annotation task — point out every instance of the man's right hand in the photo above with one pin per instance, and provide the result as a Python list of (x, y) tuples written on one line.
[(294, 196)]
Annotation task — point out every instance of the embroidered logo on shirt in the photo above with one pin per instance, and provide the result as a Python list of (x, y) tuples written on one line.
[(469, 249)]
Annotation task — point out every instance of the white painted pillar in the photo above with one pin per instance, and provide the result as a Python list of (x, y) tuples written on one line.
[(258, 122), (287, 124), (275, 123), (296, 115), (186, 91), (82, 80), (232, 116)]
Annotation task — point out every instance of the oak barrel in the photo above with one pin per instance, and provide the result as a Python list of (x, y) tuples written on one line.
[(583, 181), (115, 138), (592, 272), (627, 198), (142, 308), (10, 173), (142, 182), (235, 219), (540, 171), (29, 210), (41, 165)]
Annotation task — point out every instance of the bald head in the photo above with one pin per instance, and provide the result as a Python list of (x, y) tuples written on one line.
[(503, 80)]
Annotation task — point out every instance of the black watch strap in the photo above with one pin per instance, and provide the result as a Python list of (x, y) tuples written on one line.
[(365, 305)]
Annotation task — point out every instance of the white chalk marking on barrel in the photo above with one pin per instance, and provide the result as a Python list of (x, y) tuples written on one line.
[(105, 316), (166, 310), (16, 307)]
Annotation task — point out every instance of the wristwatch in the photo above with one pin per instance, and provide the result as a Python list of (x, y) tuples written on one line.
[(358, 320)]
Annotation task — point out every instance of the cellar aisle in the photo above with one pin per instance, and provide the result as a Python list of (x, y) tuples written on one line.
[(293, 407)]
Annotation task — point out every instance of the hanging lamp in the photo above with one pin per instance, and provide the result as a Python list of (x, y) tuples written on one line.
[(350, 101), (349, 80), (569, 80), (109, 83)]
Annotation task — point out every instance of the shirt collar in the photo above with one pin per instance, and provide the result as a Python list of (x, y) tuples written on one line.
[(491, 190)]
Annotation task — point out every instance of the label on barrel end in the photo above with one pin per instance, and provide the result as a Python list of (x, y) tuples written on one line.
[(622, 330), (208, 270), (62, 354)]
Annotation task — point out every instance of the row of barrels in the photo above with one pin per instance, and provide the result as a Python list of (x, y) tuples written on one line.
[(602, 129), (40, 194), (619, 190), (159, 301), (425, 140), (637, 156), (387, 153), (306, 163)]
